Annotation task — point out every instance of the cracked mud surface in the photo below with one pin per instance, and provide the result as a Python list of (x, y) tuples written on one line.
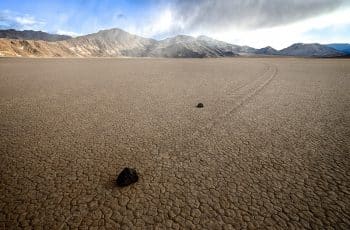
[(270, 148)]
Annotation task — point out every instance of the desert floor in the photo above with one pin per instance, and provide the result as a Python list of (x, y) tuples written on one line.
[(270, 148)]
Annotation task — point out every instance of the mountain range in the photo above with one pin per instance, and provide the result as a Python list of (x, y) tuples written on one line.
[(32, 35), (119, 43)]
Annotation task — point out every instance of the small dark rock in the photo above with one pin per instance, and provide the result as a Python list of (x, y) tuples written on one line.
[(200, 105), (127, 177)]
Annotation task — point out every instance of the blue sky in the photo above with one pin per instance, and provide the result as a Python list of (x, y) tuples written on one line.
[(245, 22), (76, 17)]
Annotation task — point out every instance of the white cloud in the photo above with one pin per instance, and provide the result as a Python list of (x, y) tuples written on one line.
[(26, 20), (166, 24), (216, 16), (282, 36), (70, 33), (162, 23), (166, 21), (15, 20)]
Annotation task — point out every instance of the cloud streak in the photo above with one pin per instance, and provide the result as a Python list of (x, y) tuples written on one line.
[(10, 19), (216, 15)]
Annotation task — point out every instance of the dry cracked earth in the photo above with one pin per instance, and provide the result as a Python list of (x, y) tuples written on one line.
[(269, 150)]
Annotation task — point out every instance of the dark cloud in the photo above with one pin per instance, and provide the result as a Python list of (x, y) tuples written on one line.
[(121, 16), (248, 14)]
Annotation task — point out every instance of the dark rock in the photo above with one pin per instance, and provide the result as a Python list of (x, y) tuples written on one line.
[(200, 105), (127, 177)]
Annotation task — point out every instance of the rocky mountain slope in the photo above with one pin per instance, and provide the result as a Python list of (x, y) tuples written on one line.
[(267, 51), (110, 43), (32, 35), (187, 46), (119, 43), (342, 47), (310, 50), (31, 48)]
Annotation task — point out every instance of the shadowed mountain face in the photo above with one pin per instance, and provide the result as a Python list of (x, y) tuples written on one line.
[(187, 46), (310, 50), (32, 35), (119, 43), (342, 47), (267, 51)]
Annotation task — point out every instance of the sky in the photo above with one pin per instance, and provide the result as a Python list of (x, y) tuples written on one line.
[(257, 23)]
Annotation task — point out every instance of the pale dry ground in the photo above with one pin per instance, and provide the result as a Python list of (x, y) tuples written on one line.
[(270, 148)]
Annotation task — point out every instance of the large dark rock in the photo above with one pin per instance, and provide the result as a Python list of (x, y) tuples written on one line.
[(200, 105), (127, 177)]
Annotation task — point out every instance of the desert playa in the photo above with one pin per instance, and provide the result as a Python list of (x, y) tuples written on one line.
[(269, 149)]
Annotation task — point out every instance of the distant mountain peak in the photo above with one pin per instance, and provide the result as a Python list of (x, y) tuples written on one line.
[(183, 37), (205, 38), (341, 47), (113, 30), (310, 50), (268, 50), (32, 35)]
